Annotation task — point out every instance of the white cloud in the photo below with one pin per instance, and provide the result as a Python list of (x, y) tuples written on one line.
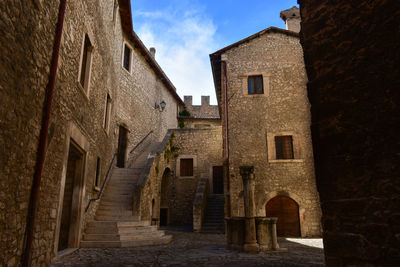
[(183, 40)]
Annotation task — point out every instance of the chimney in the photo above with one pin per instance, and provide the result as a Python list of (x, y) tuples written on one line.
[(187, 99), (153, 52), (292, 19), (205, 100)]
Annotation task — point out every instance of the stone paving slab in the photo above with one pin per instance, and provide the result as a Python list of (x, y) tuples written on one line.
[(195, 249)]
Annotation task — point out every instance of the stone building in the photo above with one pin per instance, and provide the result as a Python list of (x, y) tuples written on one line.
[(109, 95), (205, 115), (354, 92), (260, 84)]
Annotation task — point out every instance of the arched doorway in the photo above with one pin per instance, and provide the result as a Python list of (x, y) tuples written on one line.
[(287, 211), (164, 197)]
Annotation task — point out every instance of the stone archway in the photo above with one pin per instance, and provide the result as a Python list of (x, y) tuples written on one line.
[(164, 207), (287, 211)]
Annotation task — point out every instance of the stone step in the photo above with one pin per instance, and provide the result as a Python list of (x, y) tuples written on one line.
[(123, 237), (133, 223), (120, 230), (113, 212), (116, 218), (127, 244)]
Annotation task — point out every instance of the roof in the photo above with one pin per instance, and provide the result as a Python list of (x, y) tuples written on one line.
[(215, 58), (127, 27)]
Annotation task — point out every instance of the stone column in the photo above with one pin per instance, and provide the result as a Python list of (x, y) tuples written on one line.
[(247, 173)]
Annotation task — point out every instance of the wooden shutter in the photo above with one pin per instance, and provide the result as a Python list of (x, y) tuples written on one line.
[(186, 168), (127, 58), (284, 147), (256, 85)]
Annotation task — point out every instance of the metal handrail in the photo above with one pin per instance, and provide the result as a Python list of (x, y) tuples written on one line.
[(140, 142), (103, 184)]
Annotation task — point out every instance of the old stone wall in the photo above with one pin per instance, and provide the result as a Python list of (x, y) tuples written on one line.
[(352, 53), (24, 74), (200, 123), (205, 110), (255, 120), (204, 146), (77, 115)]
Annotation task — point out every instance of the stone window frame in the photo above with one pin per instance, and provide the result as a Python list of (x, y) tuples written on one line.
[(266, 83), (86, 88), (126, 43), (178, 166), (297, 139), (107, 113), (73, 134)]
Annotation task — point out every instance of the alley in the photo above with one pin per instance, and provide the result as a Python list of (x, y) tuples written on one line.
[(193, 249)]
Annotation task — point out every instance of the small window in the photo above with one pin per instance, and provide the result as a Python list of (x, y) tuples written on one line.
[(284, 147), (97, 178), (85, 63), (127, 58), (107, 113), (256, 85), (186, 168), (115, 11)]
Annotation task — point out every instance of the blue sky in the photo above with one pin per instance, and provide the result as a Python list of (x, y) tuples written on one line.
[(185, 32)]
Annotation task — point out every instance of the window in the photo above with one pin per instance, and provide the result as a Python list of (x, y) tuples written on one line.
[(186, 168), (107, 113), (85, 64), (284, 147), (115, 11), (256, 85), (127, 58), (97, 178)]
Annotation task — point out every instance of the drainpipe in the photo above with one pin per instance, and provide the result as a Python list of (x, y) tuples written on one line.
[(226, 157), (35, 190)]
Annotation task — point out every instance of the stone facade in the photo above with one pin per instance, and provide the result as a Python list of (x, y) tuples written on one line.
[(77, 114), (204, 146), (256, 119), (205, 115), (352, 59)]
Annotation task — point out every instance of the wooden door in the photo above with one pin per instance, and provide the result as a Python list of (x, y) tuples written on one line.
[(287, 211), (122, 145), (218, 180)]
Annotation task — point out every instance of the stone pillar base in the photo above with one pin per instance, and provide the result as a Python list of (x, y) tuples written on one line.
[(251, 248)]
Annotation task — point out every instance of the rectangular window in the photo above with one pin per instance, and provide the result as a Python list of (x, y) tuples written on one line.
[(127, 58), (107, 113), (186, 168), (97, 178), (256, 85), (85, 63), (284, 147)]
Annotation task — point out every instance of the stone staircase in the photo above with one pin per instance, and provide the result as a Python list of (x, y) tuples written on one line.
[(214, 215), (114, 225)]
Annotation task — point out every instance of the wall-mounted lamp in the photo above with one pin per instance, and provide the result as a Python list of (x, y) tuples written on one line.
[(160, 106)]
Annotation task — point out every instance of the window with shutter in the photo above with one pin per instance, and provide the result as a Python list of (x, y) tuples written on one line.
[(186, 168), (256, 85), (85, 64), (127, 58), (284, 147)]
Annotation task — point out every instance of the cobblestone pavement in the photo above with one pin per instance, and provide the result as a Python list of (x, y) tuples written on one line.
[(193, 249)]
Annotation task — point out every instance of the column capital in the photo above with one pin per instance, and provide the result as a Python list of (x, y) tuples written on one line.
[(246, 172)]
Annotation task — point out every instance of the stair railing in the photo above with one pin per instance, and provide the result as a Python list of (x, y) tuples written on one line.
[(103, 184), (140, 142)]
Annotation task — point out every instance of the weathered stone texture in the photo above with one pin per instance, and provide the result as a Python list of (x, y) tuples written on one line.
[(254, 120), (24, 72), (351, 50), (27, 34), (205, 147), (205, 110)]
